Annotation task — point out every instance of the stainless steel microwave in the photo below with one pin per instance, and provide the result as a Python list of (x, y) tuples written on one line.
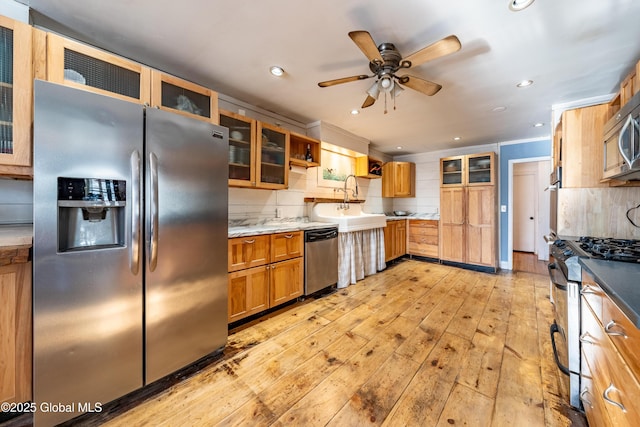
[(622, 143)]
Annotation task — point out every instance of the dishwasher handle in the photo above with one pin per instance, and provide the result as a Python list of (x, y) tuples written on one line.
[(318, 235)]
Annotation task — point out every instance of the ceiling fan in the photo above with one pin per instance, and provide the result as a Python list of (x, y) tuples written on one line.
[(385, 61)]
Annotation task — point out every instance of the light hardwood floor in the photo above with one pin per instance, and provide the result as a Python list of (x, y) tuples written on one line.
[(419, 344)]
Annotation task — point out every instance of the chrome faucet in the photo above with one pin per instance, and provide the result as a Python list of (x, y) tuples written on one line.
[(346, 192)]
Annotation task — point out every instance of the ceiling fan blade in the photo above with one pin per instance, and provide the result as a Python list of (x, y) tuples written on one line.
[(343, 80), (368, 102), (440, 48), (421, 85), (366, 44)]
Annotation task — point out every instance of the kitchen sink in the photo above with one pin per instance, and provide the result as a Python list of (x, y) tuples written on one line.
[(351, 219)]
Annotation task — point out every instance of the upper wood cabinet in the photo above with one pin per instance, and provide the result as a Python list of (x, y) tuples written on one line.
[(299, 145), (581, 146), (84, 67), (399, 179), (472, 169), (368, 167), (16, 97), (258, 152), (183, 97)]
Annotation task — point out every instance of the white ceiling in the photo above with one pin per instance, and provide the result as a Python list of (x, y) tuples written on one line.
[(571, 49)]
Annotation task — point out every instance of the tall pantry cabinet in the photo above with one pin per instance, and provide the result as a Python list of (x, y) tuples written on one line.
[(468, 210)]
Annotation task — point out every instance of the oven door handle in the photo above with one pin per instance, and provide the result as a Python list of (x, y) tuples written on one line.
[(557, 277), (554, 330)]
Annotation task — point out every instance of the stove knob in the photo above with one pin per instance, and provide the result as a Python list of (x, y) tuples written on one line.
[(567, 253)]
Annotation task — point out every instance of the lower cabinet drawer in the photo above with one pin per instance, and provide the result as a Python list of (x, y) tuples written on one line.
[(591, 398), (615, 384)]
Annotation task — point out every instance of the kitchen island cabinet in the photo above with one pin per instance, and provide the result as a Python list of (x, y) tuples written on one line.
[(16, 92), (264, 271), (15, 324)]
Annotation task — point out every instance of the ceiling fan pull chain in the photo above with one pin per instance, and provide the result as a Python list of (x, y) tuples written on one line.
[(385, 102)]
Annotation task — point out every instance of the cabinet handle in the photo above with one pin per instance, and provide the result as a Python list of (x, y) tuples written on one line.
[(584, 399), (249, 242), (611, 325), (288, 236), (584, 340), (586, 289), (605, 396)]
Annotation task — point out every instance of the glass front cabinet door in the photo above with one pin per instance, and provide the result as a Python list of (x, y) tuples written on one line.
[(242, 131), (451, 171), (480, 170), (84, 67), (15, 93), (272, 162), (183, 97)]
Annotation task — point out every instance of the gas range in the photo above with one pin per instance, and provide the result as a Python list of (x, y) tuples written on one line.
[(568, 252)]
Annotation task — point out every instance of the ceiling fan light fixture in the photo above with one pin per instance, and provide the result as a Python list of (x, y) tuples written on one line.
[(396, 91), (374, 90), (276, 71), (386, 83), (518, 5)]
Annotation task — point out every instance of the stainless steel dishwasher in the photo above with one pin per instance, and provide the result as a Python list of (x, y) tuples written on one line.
[(320, 259)]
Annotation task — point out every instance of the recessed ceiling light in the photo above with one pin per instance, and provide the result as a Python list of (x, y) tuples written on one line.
[(276, 71), (399, 147), (457, 138), (499, 109), (517, 5), (538, 125), (355, 112), (525, 83)]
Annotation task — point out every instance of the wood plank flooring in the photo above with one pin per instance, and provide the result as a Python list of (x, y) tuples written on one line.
[(419, 344)]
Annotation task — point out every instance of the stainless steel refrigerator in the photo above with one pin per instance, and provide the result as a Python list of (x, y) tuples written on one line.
[(130, 238)]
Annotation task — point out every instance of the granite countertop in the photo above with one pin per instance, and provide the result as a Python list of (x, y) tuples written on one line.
[(16, 235), (275, 227), (619, 280)]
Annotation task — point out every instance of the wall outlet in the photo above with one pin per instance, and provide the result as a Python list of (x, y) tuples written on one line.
[(503, 208), (278, 212)]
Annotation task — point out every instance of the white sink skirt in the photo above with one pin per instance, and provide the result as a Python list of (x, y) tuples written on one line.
[(360, 254)]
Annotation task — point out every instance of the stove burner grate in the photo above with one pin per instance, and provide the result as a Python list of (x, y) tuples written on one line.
[(626, 250)]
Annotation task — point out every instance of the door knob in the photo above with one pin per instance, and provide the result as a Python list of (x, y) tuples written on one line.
[(530, 217)]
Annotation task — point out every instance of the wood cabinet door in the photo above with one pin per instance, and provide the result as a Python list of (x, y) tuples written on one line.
[(582, 149), (272, 157), (248, 292), (84, 67), (389, 239), (400, 246), (247, 252), (286, 246), (452, 224), (242, 148), (15, 333), (16, 83), (287, 280), (404, 177), (183, 97), (481, 235)]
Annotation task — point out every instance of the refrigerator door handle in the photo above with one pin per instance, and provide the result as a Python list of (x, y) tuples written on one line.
[(153, 196), (134, 256)]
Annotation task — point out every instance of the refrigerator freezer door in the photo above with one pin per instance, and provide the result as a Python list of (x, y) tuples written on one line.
[(186, 241), (87, 304)]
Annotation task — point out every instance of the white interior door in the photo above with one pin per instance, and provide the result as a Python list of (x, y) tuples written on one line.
[(524, 197)]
